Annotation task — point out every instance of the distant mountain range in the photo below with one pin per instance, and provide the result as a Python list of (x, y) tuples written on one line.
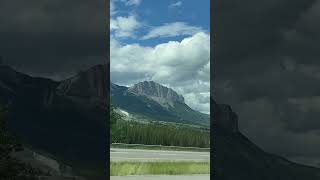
[(66, 119), (150, 100), (235, 157)]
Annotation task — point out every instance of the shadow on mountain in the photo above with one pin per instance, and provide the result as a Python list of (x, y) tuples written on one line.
[(235, 157), (65, 119)]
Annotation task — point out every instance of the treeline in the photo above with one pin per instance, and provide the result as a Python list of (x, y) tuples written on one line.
[(154, 133)]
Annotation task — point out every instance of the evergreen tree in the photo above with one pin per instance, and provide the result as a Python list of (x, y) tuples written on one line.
[(131, 132)]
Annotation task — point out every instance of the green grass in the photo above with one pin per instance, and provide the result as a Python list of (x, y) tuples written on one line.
[(157, 147), (158, 168)]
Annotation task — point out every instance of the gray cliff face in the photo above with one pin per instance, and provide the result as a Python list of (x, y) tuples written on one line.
[(153, 89), (89, 84), (156, 102), (224, 117)]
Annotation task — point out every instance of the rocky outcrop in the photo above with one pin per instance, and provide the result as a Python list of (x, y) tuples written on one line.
[(153, 89), (88, 84), (224, 117)]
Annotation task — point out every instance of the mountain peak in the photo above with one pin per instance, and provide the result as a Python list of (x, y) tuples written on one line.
[(224, 117), (89, 83), (153, 89), (149, 100)]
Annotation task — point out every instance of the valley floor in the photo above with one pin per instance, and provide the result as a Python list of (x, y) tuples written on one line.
[(126, 162)]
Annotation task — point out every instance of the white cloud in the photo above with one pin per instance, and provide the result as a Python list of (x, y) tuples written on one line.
[(124, 26), (177, 4), (183, 66), (126, 2), (112, 8), (199, 101), (132, 2), (172, 30)]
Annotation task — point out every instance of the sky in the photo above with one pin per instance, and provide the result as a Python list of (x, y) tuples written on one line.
[(52, 38), (164, 41), (267, 67)]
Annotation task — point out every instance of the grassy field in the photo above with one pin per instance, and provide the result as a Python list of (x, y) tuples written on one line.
[(157, 168), (158, 147)]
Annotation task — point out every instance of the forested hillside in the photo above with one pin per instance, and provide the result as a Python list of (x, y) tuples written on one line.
[(155, 133)]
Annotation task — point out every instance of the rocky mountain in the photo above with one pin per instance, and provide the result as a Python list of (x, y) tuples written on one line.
[(156, 102), (156, 91), (90, 84), (235, 157), (66, 119)]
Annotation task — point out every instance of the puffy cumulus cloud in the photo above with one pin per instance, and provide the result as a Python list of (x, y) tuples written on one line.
[(196, 93), (172, 30), (199, 101), (183, 66), (124, 26)]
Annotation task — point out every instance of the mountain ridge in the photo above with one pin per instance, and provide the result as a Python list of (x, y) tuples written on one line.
[(235, 157), (156, 102), (156, 90), (65, 118)]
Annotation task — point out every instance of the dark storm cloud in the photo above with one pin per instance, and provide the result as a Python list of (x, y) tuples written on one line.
[(267, 67), (301, 122), (52, 37), (250, 27)]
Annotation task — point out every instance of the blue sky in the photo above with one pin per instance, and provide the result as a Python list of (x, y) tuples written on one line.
[(156, 13), (165, 41)]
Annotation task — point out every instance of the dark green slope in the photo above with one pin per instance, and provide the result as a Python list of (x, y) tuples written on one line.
[(185, 112), (142, 105)]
